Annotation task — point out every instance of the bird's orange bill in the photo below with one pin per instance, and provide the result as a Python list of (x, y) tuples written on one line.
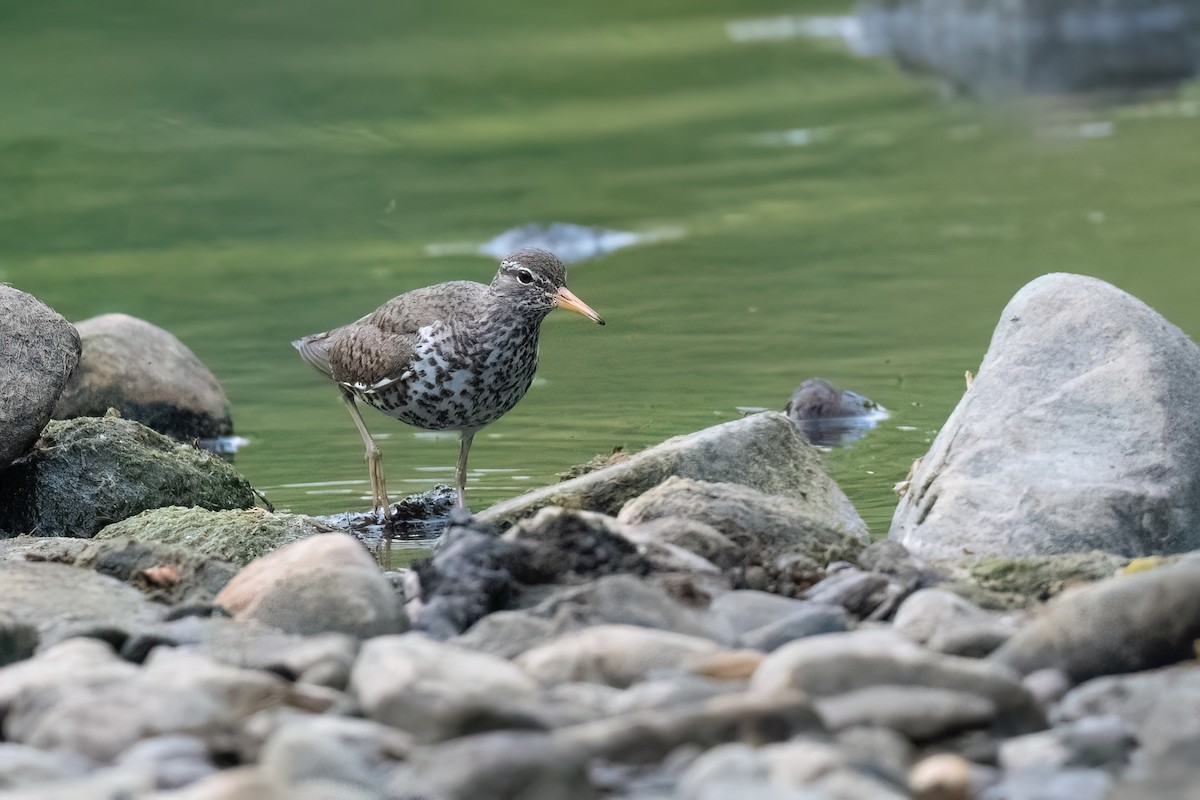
[(566, 299)]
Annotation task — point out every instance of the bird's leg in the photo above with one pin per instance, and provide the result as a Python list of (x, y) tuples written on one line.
[(460, 474), (379, 497)]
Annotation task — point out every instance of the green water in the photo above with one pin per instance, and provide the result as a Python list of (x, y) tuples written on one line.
[(242, 173)]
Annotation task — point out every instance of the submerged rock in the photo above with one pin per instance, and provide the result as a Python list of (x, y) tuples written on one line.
[(38, 352), (764, 451), (988, 48), (148, 375), (830, 415), (90, 472), (1081, 432)]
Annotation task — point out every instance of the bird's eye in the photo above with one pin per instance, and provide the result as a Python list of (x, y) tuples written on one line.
[(524, 276)]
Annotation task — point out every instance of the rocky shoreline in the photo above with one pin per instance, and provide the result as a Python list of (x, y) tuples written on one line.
[(706, 619)]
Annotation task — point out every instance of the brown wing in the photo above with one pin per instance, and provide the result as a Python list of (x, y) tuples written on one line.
[(382, 345)]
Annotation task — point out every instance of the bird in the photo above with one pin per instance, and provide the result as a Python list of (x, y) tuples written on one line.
[(456, 356)]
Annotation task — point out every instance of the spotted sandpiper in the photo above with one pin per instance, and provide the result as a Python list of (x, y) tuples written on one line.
[(456, 356)]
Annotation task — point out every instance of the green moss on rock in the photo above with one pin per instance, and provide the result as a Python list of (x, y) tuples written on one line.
[(235, 536)]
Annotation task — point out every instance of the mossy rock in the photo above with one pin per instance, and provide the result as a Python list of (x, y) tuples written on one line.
[(90, 472), (235, 536), (1018, 582)]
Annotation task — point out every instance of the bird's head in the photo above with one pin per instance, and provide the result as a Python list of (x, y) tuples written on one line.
[(537, 280)]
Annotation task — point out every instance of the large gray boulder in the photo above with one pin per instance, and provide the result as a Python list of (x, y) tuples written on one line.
[(764, 451), (1081, 432), (38, 352), (148, 375), (93, 471)]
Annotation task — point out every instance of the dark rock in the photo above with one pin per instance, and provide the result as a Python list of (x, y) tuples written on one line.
[(39, 350), (764, 452), (91, 472), (764, 526), (18, 638), (436, 691), (1080, 432), (563, 543), (148, 375), (830, 415), (237, 536), (471, 575), (323, 584), (824, 666), (1129, 623), (995, 50)]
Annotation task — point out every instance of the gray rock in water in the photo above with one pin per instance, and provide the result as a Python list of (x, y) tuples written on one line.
[(323, 584), (1080, 432), (38, 352), (148, 375), (764, 526), (90, 472), (238, 536), (1125, 624), (1003, 48), (830, 415), (764, 452)]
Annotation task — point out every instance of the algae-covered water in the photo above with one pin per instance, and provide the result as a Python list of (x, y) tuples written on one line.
[(242, 173)]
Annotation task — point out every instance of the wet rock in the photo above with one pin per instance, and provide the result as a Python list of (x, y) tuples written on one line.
[(39, 350), (996, 50), (506, 634), (615, 655), (764, 452), (829, 415), (148, 375), (91, 472), (235, 536), (1161, 707), (1129, 623), (471, 575), (764, 526), (623, 600), (81, 698), (829, 665), (800, 768), (322, 584), (919, 713), (1080, 432), (947, 623), (562, 543), (436, 691), (57, 596)]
